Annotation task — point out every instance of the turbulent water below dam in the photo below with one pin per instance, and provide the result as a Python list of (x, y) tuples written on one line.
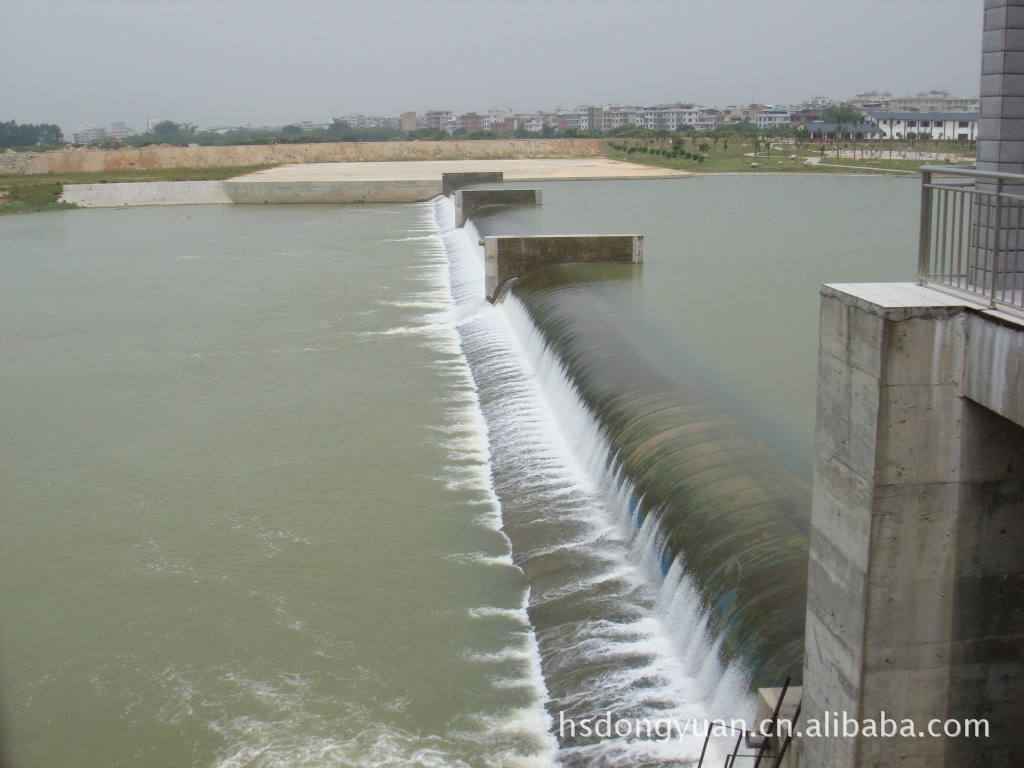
[(280, 488)]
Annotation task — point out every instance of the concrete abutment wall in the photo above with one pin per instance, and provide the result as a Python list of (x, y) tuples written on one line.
[(506, 257), (915, 576), (452, 181), (469, 201)]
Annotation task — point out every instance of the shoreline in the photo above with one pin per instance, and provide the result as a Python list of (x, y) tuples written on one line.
[(321, 183), (346, 183)]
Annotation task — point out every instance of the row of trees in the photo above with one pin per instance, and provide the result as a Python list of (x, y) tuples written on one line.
[(29, 135), (170, 132)]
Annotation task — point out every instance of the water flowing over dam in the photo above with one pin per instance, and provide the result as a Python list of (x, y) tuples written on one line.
[(665, 558), (720, 501)]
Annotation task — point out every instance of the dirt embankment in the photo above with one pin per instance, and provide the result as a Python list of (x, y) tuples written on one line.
[(166, 156)]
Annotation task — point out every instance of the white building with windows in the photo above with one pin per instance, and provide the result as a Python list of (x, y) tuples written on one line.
[(773, 117), (88, 134), (948, 126), (497, 116), (934, 101)]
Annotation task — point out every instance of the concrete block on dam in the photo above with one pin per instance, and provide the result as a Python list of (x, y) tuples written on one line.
[(507, 257), (469, 201), (247, 190), (452, 181)]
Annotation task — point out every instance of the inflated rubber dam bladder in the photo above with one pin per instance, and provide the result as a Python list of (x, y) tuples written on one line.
[(666, 550)]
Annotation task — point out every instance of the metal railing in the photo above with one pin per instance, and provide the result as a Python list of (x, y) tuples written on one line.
[(971, 235)]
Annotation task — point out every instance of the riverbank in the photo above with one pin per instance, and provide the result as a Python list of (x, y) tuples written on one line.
[(392, 182), (24, 191), (165, 156), (33, 194)]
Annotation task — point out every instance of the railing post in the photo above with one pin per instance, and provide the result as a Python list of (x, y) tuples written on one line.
[(924, 237), (998, 240)]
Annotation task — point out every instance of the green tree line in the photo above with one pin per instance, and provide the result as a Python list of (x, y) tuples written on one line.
[(29, 135)]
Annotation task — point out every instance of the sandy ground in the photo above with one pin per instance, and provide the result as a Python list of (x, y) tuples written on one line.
[(431, 170)]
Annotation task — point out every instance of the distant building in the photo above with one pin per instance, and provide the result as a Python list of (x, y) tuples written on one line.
[(872, 100), (951, 126), (438, 119), (408, 121), (535, 123), (806, 113), (88, 134), (471, 122), (497, 117), (672, 117), (827, 131), (732, 115), (773, 117), (933, 101), (574, 120), (120, 131)]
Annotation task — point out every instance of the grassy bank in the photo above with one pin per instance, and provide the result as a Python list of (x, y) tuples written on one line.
[(32, 194), (737, 156)]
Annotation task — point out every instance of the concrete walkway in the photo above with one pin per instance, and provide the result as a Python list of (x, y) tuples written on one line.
[(402, 182), (383, 182), (564, 169)]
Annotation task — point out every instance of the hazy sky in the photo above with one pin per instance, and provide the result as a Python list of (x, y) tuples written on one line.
[(220, 62)]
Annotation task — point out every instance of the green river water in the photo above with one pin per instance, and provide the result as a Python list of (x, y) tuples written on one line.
[(247, 513)]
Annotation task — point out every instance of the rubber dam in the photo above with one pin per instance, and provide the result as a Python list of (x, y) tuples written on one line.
[(665, 548)]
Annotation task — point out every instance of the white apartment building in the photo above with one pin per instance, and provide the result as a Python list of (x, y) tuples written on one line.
[(576, 119), (956, 126), (773, 117), (497, 115)]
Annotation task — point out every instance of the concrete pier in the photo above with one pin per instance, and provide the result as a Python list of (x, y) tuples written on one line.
[(915, 579), (506, 258), (915, 576), (452, 181), (468, 201)]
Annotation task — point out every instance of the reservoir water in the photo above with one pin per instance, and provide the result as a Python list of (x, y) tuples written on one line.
[(262, 470)]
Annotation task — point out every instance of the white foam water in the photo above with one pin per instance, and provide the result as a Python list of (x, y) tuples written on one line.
[(618, 632)]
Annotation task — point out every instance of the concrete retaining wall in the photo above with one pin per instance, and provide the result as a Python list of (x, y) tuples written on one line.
[(364, 191), (507, 257), (145, 193), (994, 367), (452, 181), (468, 201), (915, 576)]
